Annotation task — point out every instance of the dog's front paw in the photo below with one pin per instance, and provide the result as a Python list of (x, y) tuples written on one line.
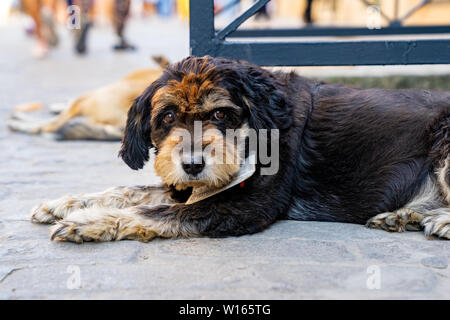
[(66, 230), (101, 224), (52, 211), (43, 213)]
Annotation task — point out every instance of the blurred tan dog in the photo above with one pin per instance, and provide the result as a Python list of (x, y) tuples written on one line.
[(97, 115)]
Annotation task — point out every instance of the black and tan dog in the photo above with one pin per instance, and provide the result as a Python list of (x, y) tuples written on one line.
[(375, 157)]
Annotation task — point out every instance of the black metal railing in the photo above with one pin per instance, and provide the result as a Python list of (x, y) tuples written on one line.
[(205, 40)]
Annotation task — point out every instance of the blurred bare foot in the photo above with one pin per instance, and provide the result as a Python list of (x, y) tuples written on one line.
[(40, 50)]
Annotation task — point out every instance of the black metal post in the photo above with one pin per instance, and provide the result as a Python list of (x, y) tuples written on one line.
[(201, 26)]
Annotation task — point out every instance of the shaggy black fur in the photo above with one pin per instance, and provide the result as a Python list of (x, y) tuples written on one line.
[(346, 154)]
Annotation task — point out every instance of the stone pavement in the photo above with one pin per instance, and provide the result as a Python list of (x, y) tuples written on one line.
[(292, 260)]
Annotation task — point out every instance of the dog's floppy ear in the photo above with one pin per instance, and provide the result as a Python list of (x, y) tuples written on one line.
[(136, 141), (260, 93)]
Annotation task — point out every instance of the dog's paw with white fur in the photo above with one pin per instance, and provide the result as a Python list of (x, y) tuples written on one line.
[(438, 225), (101, 224), (52, 211)]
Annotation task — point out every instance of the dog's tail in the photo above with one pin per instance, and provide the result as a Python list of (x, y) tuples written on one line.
[(161, 60)]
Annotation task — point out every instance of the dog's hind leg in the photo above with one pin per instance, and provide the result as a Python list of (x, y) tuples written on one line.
[(73, 111), (411, 216), (18, 122), (397, 221), (82, 128), (118, 197), (437, 221), (429, 209), (434, 222)]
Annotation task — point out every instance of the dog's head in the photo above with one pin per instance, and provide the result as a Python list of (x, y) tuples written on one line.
[(187, 115)]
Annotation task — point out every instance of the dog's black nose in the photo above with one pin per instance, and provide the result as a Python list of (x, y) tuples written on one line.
[(193, 168)]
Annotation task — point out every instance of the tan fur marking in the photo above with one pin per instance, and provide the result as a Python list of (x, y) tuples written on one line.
[(442, 179), (194, 94)]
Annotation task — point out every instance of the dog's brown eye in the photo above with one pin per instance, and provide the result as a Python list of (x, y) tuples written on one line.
[(169, 117), (219, 115)]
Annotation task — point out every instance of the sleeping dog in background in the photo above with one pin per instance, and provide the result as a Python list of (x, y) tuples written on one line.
[(97, 115), (374, 157)]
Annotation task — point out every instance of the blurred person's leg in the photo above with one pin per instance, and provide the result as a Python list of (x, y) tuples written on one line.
[(121, 12), (47, 15), (33, 9), (85, 24), (307, 15)]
